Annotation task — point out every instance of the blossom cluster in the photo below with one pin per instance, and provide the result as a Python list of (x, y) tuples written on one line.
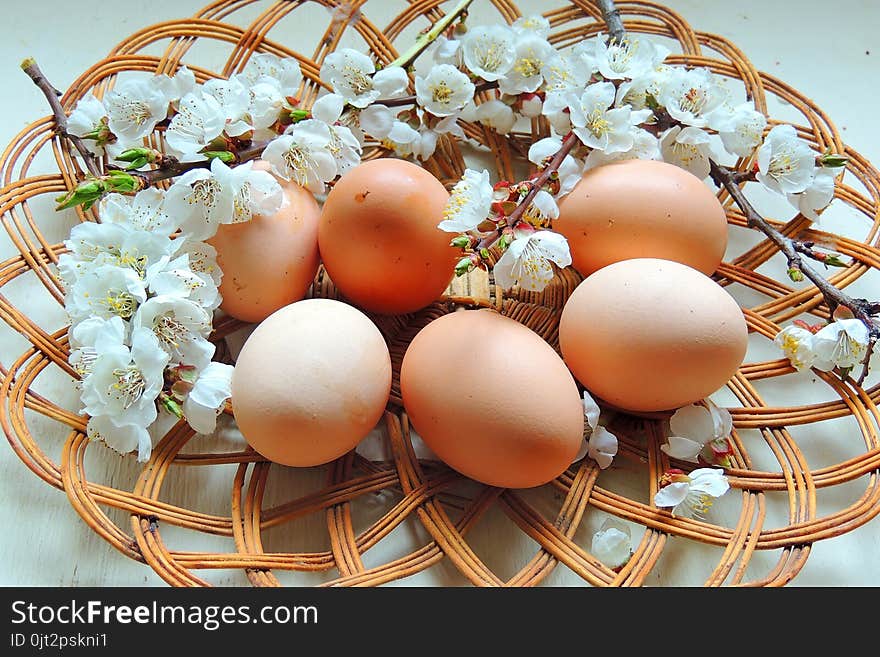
[(841, 344), (621, 101), (141, 288)]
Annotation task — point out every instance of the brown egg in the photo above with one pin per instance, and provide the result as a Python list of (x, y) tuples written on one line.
[(642, 209), (269, 261), (492, 399), (311, 381), (652, 335), (379, 239)]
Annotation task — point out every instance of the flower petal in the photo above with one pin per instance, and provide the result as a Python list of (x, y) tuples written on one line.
[(671, 495), (694, 422), (681, 448)]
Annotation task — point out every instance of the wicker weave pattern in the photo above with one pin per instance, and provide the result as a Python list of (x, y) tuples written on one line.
[(422, 491)]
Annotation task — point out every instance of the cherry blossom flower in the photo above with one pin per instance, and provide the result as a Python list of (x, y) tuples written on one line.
[(343, 146), (180, 326), (598, 126), (120, 437), (444, 91), (817, 196), (283, 73), (135, 106), (124, 382), (630, 58), (693, 427), (842, 344), (234, 99), (527, 261), (691, 495), (353, 76), (85, 337), (564, 74), (145, 211), (645, 147), (786, 163), (600, 444), (687, 148), (531, 54), (741, 128), (88, 121), (535, 24), (448, 51), (496, 115), (469, 204), (105, 291), (488, 51), (691, 95), (207, 398), (302, 154), (612, 544), (199, 120), (797, 345)]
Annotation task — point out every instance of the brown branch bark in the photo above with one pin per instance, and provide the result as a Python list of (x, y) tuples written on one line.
[(52, 95), (571, 140)]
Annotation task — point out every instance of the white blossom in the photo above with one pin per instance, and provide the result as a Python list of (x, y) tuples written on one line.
[(447, 51), (636, 92), (444, 91), (687, 148), (842, 344), (180, 281), (353, 76), (527, 261), (207, 398), (535, 24), (597, 126), (488, 51), (612, 544), (344, 146), (88, 118), (469, 204), (563, 74), (740, 128), (694, 426), (375, 120), (302, 154), (144, 211), (121, 438), (532, 53), (601, 444), (496, 115), (179, 85), (631, 58), (692, 495), (234, 98), (690, 96), (797, 345), (645, 147), (86, 335), (105, 291), (817, 196), (180, 326), (786, 163), (284, 74), (124, 382), (135, 106), (202, 259), (199, 120)]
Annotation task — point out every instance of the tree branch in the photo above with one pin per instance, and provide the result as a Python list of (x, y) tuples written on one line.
[(571, 140), (33, 71), (611, 14), (426, 39)]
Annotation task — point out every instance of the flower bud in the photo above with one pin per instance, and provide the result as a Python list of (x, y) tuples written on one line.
[(461, 242), (223, 156), (795, 274), (833, 160), (464, 266)]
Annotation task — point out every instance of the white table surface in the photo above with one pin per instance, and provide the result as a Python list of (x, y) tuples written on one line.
[(828, 50)]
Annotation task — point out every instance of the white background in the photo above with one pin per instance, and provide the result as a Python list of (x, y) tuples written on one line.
[(828, 50)]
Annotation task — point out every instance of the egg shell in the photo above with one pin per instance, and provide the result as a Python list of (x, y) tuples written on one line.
[(271, 260), (652, 335), (492, 399), (642, 209), (310, 382), (379, 240)]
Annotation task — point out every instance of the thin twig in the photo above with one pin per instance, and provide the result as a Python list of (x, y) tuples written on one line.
[(571, 140), (52, 94), (426, 39), (834, 297), (611, 14)]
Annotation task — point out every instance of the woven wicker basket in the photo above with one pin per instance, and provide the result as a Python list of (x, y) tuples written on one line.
[(361, 502)]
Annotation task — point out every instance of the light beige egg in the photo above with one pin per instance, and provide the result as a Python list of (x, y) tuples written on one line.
[(310, 382), (652, 335), (492, 399)]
